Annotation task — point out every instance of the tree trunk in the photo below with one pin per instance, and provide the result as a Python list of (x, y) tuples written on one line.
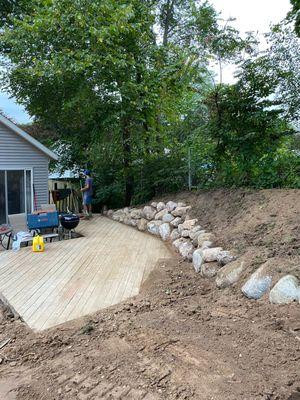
[(169, 13), (129, 182)]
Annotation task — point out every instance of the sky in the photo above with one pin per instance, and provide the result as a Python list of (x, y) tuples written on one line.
[(254, 15)]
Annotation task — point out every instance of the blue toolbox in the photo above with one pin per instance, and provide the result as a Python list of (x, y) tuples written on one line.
[(43, 220)]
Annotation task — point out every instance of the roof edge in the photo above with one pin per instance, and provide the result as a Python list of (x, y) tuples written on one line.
[(28, 138)]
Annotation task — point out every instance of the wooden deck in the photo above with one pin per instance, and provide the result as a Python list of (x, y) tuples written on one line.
[(73, 278)]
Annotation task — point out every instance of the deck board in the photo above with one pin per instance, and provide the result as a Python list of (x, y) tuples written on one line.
[(73, 278)]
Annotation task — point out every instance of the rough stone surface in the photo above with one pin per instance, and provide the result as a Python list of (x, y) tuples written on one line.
[(204, 237), (210, 255), (185, 233), (194, 231), (186, 250), (142, 224), (206, 244), (229, 274), (136, 213), (189, 224), (224, 257), (160, 206), (197, 259), (168, 218), (110, 213), (171, 205), (165, 231), (174, 235), (161, 213), (178, 242), (285, 291), (195, 240), (149, 212), (209, 270), (181, 211), (177, 221), (153, 227), (154, 204), (133, 222), (258, 283), (181, 204)]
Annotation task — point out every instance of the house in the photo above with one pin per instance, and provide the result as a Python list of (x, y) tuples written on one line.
[(24, 163)]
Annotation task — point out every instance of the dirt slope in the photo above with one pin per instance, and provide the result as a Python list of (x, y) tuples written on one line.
[(181, 338)]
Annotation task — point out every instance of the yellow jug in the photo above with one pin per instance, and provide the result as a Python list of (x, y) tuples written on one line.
[(38, 244)]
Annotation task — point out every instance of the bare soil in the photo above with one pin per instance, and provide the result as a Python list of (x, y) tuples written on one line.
[(181, 337)]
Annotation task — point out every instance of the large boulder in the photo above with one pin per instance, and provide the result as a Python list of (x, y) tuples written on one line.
[(135, 213), (161, 213), (153, 227), (186, 250), (170, 206), (176, 222), (229, 274), (210, 255), (110, 213), (197, 259), (177, 243), (285, 291), (209, 270), (181, 211), (174, 235), (204, 237), (160, 206), (185, 233), (194, 231), (142, 224), (197, 234), (168, 218), (259, 282), (118, 215), (165, 231), (224, 257), (149, 212), (206, 245)]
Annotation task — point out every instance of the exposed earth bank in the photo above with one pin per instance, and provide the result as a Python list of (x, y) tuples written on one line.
[(181, 338)]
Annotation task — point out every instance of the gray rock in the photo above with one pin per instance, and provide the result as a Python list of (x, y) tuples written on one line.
[(185, 233), (181, 211), (206, 245), (204, 237), (258, 283), (165, 231), (160, 206), (153, 227), (181, 204), (229, 274), (174, 235), (177, 221), (285, 291), (177, 243), (195, 240), (224, 257), (133, 222), (142, 224), (197, 259), (161, 213), (109, 213), (136, 213), (170, 206), (149, 212), (210, 255), (194, 231), (186, 250), (209, 270), (168, 218), (154, 204)]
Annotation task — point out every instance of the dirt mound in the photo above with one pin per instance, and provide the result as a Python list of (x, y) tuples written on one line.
[(181, 338)]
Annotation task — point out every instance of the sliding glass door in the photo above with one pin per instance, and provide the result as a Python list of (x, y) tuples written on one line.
[(15, 193)]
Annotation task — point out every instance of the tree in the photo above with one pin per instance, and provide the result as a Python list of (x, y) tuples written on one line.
[(295, 15)]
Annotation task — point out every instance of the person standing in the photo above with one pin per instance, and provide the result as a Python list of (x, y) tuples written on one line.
[(87, 194)]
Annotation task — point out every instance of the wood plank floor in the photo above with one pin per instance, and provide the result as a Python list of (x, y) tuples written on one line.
[(73, 278)]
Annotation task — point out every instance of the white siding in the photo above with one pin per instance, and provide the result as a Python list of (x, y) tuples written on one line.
[(17, 153)]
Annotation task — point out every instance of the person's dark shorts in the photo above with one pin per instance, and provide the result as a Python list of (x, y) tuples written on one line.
[(87, 200)]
